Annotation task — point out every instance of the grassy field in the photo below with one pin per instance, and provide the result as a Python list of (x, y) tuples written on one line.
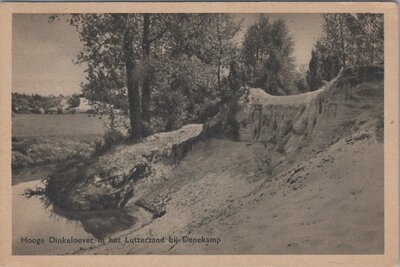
[(50, 138), (34, 125)]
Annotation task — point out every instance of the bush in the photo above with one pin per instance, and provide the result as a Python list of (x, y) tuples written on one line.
[(112, 136), (110, 139), (182, 90)]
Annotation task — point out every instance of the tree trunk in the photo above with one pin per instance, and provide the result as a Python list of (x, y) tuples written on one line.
[(132, 84), (219, 63), (219, 75), (372, 59), (342, 41), (257, 54), (146, 92)]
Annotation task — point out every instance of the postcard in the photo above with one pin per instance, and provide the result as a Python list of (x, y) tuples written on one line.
[(199, 134)]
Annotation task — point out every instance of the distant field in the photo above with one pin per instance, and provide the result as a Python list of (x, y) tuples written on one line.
[(25, 125)]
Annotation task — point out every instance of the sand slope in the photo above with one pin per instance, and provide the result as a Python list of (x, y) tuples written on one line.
[(306, 177)]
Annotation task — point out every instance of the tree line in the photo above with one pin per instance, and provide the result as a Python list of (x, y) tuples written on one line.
[(348, 40), (35, 103), (24, 103), (166, 70)]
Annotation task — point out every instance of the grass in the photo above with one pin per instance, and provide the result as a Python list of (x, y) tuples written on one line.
[(41, 139)]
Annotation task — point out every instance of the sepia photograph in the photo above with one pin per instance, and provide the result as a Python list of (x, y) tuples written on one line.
[(198, 133)]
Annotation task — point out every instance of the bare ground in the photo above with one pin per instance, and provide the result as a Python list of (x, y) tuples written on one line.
[(306, 178), (331, 203)]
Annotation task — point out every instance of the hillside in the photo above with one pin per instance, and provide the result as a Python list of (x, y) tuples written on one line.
[(304, 175)]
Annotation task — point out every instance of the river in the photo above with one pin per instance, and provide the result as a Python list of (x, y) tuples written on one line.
[(35, 218)]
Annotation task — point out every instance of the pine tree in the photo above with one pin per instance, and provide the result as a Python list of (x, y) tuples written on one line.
[(313, 75)]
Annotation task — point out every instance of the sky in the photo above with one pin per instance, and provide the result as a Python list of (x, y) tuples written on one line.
[(43, 52)]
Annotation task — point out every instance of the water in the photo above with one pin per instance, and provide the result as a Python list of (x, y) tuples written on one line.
[(35, 218), (42, 125)]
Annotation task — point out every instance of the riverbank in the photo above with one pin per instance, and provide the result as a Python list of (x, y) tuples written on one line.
[(302, 175), (41, 220), (331, 203)]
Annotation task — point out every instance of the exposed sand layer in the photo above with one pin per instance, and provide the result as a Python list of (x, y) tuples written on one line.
[(305, 177), (107, 181)]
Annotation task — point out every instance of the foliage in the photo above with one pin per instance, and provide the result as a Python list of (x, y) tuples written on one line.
[(23, 103), (314, 77), (113, 134), (109, 54), (356, 38), (348, 40), (302, 85), (166, 70), (74, 101), (267, 54), (220, 48), (182, 90), (300, 79), (160, 69)]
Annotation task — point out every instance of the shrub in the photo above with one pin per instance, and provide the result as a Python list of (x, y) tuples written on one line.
[(112, 136)]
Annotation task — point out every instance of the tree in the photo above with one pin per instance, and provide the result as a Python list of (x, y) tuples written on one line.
[(370, 38), (302, 85), (300, 79), (337, 35), (348, 40), (267, 54), (155, 26), (182, 89), (314, 78), (117, 52), (191, 66), (120, 51), (234, 79), (110, 56), (330, 66), (74, 101), (220, 44), (139, 62), (353, 39)]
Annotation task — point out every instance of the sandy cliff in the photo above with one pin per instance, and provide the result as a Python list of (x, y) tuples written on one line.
[(303, 175)]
